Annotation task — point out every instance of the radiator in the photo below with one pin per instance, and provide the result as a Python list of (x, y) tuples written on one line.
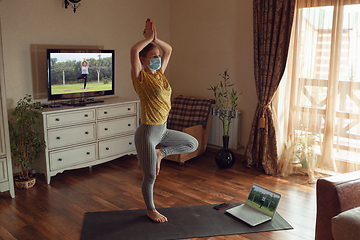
[(216, 130)]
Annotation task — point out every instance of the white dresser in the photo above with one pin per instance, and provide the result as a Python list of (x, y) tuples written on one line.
[(78, 137)]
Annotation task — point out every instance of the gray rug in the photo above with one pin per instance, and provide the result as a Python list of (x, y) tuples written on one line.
[(184, 222)]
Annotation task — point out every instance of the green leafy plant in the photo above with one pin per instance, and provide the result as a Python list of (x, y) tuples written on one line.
[(105, 80), (25, 142), (304, 150), (305, 146), (225, 101)]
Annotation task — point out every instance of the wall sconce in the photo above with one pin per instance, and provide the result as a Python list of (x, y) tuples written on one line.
[(74, 4)]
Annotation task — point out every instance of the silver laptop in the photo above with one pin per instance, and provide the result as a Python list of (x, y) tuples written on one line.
[(259, 207)]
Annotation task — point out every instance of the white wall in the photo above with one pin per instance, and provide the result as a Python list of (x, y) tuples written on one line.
[(208, 36), (114, 24)]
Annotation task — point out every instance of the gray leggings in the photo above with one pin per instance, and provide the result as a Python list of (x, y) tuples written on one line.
[(147, 137)]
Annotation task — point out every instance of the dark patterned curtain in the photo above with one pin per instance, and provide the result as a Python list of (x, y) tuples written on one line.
[(272, 27)]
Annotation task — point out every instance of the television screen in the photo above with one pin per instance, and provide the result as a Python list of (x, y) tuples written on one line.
[(79, 74)]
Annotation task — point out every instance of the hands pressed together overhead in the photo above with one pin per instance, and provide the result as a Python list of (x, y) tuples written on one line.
[(150, 31), (150, 35)]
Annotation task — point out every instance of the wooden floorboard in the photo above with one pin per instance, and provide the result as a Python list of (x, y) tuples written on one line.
[(56, 211)]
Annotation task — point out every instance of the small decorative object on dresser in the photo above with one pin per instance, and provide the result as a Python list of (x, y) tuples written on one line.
[(25, 142), (226, 106)]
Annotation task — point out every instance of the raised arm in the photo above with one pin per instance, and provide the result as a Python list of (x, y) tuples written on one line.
[(135, 50), (166, 49), (82, 63)]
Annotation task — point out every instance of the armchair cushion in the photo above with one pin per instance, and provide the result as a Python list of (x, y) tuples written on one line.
[(346, 225), (188, 111)]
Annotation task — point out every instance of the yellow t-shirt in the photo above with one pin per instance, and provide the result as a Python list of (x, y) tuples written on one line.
[(154, 92)]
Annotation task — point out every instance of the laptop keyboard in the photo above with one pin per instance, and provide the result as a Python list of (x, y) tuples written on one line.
[(251, 213)]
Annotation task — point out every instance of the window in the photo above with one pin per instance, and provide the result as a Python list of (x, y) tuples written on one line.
[(322, 81)]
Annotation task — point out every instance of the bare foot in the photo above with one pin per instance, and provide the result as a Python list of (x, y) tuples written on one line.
[(159, 157), (156, 216)]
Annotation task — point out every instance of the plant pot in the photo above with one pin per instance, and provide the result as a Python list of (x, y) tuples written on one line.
[(225, 158), (25, 184)]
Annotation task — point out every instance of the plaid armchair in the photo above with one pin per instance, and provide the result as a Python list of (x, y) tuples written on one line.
[(192, 116)]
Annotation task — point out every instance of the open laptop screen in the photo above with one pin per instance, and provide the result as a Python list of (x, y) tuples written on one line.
[(263, 199)]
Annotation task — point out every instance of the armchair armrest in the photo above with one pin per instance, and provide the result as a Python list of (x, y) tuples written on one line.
[(334, 195)]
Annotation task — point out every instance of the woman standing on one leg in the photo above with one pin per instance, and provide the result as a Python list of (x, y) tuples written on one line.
[(263, 199), (154, 91), (84, 71)]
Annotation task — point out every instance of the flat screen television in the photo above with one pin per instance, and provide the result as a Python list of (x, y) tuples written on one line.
[(80, 74)]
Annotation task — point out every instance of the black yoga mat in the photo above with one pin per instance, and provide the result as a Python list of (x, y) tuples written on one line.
[(184, 222)]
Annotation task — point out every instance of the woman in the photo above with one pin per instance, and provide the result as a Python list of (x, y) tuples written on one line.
[(263, 199), (154, 91), (84, 71)]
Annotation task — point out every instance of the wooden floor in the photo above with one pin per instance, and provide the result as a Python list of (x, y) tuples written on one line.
[(56, 211)]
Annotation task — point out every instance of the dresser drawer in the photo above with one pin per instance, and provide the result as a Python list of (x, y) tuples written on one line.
[(54, 120), (116, 146), (73, 156), (71, 135), (116, 126), (117, 110)]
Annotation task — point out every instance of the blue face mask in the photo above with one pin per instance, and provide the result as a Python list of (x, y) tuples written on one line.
[(155, 64)]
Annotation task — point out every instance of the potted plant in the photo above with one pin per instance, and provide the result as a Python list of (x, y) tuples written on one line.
[(302, 150), (225, 105), (25, 142), (305, 152)]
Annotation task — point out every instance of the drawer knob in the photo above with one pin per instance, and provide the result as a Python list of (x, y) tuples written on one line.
[(130, 143), (60, 159), (86, 132), (106, 129), (129, 109), (58, 138), (57, 119), (86, 115), (105, 112), (107, 148), (88, 153), (129, 124)]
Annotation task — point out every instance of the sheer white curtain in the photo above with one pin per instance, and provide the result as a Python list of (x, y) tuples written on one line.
[(317, 107)]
